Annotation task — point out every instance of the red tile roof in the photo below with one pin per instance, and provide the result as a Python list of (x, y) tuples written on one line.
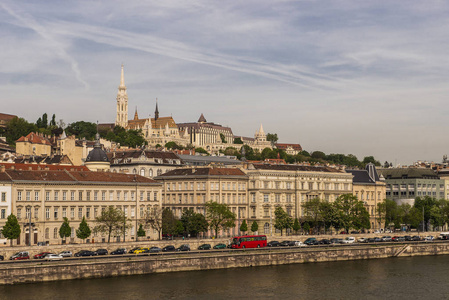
[(296, 147), (34, 138), (31, 166)]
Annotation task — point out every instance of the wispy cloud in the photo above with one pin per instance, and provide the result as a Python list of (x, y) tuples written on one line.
[(29, 22)]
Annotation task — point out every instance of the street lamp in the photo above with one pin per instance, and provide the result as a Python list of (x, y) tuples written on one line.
[(29, 226)]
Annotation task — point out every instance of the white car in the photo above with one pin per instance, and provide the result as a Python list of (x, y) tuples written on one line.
[(53, 257), (429, 238), (362, 240), (349, 240), (66, 253), (300, 244)]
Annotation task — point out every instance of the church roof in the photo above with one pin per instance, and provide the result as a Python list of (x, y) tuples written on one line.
[(202, 119), (162, 122)]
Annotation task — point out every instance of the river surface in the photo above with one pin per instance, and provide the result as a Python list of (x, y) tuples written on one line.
[(424, 277)]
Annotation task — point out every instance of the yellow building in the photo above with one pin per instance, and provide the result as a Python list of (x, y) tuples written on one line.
[(186, 188), (43, 198), (33, 144)]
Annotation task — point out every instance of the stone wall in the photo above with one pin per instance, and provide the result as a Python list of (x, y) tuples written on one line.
[(120, 266)]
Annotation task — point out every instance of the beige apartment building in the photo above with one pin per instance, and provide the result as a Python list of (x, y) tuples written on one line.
[(43, 198), (186, 188), (289, 186), (370, 189)]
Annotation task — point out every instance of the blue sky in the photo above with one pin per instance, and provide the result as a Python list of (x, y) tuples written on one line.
[(360, 77)]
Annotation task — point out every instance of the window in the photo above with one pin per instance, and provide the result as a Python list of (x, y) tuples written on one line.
[(148, 196), (19, 196), (80, 212), (266, 198), (95, 212), (265, 212), (80, 196), (289, 185), (125, 196), (277, 198), (56, 195), (141, 211), (72, 212), (19, 213), (47, 233), (132, 196), (88, 212), (289, 198), (141, 196), (3, 196), (3, 214), (56, 212), (47, 196), (155, 196), (118, 195), (28, 196), (253, 197), (72, 196), (133, 211), (96, 196), (64, 212), (266, 228), (47, 213), (36, 212), (87, 196), (142, 172), (55, 233), (111, 195), (64, 195), (103, 195)]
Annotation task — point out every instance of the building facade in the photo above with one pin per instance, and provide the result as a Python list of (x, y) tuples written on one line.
[(43, 198), (290, 186), (191, 188), (369, 188)]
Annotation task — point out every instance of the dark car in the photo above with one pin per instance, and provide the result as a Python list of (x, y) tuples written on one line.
[(355, 232), (102, 252), (311, 241), (324, 242), (204, 247), (408, 238), (370, 240), (377, 239), (184, 247), (85, 253), (155, 250), (273, 244), (119, 251), (41, 255), (416, 238), (20, 255), (220, 246), (169, 248), (167, 236), (2, 257), (284, 244), (335, 241)]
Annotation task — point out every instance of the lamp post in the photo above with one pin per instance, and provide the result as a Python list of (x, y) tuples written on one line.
[(29, 226)]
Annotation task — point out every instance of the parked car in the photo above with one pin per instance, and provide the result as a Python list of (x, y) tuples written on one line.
[(284, 244), (355, 232), (85, 253), (2, 257), (324, 242), (133, 249), (169, 248), (311, 241), (155, 250), (20, 255), (52, 256), (349, 240), (429, 238), (141, 250), (362, 240), (335, 241), (300, 244), (395, 238), (102, 252), (41, 255), (66, 253), (400, 239), (370, 240), (273, 244), (184, 247), (166, 236), (386, 238), (119, 251), (416, 238), (408, 238), (204, 247), (377, 239), (220, 246)]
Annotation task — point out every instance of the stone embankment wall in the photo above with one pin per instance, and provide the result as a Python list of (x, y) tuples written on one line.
[(13, 274)]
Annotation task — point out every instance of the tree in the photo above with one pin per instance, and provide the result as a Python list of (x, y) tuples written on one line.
[(381, 210), (318, 155), (425, 204), (173, 145), (201, 150), (153, 218), (193, 223), (168, 222), (370, 159), (83, 232), (223, 138), (53, 120), (11, 229), (238, 141), (351, 212), (111, 220), (282, 219), (254, 226), (219, 216), (296, 226), (273, 138), (65, 231), (312, 211), (82, 129), (141, 231), (306, 227), (244, 226), (328, 215), (16, 128)]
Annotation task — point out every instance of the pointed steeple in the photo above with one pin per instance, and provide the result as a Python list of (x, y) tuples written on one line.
[(261, 129), (136, 116), (202, 119), (156, 112), (122, 79)]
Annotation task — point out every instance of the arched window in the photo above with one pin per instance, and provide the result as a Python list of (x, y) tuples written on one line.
[(55, 233), (159, 172), (142, 172), (73, 232), (266, 228), (134, 171), (150, 172), (47, 233)]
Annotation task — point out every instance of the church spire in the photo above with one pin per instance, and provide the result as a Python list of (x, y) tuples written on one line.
[(122, 79), (136, 116), (156, 112)]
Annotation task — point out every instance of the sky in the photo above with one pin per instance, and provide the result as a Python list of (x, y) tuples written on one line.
[(353, 77)]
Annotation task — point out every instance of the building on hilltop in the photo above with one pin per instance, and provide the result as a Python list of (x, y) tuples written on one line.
[(47, 196), (191, 188), (290, 149), (5, 118), (369, 188), (34, 144)]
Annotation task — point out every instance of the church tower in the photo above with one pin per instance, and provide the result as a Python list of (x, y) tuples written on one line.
[(122, 103), (156, 113)]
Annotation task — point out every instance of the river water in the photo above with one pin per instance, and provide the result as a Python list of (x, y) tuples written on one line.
[(424, 277)]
